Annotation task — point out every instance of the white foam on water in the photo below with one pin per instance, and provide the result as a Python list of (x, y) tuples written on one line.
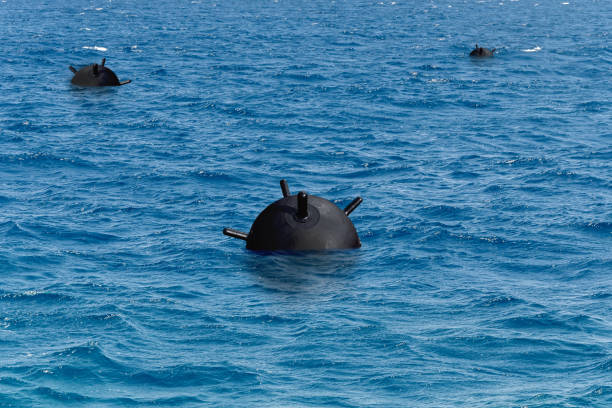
[(536, 49), (95, 47)]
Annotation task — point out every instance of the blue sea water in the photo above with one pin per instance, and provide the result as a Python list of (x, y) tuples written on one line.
[(485, 275)]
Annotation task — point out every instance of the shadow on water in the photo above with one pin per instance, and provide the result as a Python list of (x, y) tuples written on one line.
[(301, 271), (84, 91), (102, 97)]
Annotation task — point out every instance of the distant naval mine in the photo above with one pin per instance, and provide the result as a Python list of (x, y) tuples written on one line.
[(482, 52)]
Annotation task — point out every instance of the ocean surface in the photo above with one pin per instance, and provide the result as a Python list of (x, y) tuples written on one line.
[(485, 274)]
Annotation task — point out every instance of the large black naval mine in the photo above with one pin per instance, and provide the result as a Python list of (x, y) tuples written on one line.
[(301, 222), (96, 75)]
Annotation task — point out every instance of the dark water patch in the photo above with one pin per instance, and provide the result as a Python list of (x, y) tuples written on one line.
[(540, 321), (12, 382), (594, 106), (585, 269), (37, 261), (477, 104), (66, 372), (599, 155), (63, 397), (493, 301), (313, 362), (457, 347), (13, 230), (267, 319), (374, 170), (546, 400), (561, 175), (302, 77), (443, 235), (45, 160), (601, 295), (464, 175), (234, 68), (422, 103), (6, 200), (598, 393), (605, 365), (180, 400), (49, 231), (429, 67), (597, 227), (15, 401), (195, 376), (89, 355), (446, 212)]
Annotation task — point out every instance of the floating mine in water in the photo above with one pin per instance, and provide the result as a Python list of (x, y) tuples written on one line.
[(482, 52), (96, 75), (301, 223)]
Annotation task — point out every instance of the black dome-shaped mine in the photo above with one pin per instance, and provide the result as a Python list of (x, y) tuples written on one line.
[(482, 52), (96, 75), (301, 223)]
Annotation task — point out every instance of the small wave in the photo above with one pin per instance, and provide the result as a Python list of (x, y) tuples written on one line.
[(464, 175), (544, 321), (496, 301), (95, 48), (476, 104), (305, 77), (605, 365), (560, 176), (526, 162), (11, 381), (593, 106), (188, 375), (233, 67), (601, 295), (601, 155), (418, 103), (36, 296), (231, 109), (13, 230), (133, 48), (5, 399), (66, 234), (60, 396), (86, 355), (347, 44), (43, 158), (215, 176), (267, 319), (178, 401), (536, 49), (429, 67), (598, 391), (66, 371), (602, 227)]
